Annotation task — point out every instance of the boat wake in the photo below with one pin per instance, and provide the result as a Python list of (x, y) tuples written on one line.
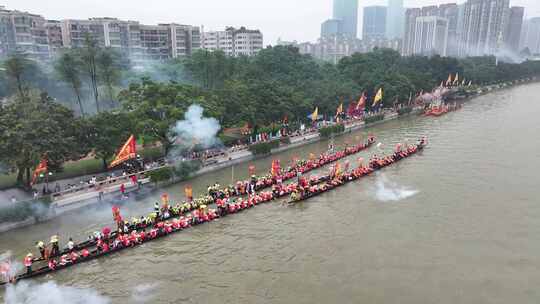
[(388, 191), (143, 293), (50, 292)]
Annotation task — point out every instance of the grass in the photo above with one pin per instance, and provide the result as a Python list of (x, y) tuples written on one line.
[(78, 168)]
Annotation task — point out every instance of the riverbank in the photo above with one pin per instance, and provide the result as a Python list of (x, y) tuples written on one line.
[(66, 205)]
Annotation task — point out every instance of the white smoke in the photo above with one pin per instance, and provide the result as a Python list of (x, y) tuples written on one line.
[(195, 130), (13, 267), (388, 191), (143, 293), (51, 293)]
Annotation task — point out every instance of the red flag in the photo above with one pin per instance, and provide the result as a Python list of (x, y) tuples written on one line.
[(41, 168), (361, 102), (351, 110), (128, 151), (276, 167)]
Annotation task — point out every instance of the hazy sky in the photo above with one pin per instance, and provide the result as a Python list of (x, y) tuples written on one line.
[(289, 19)]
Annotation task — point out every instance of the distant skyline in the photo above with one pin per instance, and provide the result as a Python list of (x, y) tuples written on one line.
[(289, 20)]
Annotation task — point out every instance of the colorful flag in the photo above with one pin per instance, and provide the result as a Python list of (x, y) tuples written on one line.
[(41, 168), (188, 191), (336, 172), (351, 109), (361, 102), (276, 167), (449, 80), (377, 98), (339, 109), (128, 151), (315, 114)]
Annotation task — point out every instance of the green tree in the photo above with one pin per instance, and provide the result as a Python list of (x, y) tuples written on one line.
[(68, 69), (108, 67), (107, 131), (34, 127), (89, 53), (17, 67), (155, 107)]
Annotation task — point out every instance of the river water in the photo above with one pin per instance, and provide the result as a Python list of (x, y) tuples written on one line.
[(457, 223)]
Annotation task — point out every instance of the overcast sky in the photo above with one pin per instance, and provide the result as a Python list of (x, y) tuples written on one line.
[(289, 19)]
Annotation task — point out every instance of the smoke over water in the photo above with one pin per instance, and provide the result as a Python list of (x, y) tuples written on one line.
[(388, 191), (195, 131), (143, 293), (49, 293)]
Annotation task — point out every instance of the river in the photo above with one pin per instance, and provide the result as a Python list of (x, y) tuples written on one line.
[(457, 223)]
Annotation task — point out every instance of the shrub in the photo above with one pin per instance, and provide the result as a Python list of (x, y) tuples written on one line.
[(264, 147), (23, 210), (404, 111), (185, 169), (328, 131), (374, 118), (160, 175)]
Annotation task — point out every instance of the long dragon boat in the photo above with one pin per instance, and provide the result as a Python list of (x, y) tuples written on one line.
[(229, 208), (354, 175), (263, 182), (164, 228)]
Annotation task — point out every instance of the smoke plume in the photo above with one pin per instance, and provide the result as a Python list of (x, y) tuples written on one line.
[(388, 191), (195, 131), (51, 293)]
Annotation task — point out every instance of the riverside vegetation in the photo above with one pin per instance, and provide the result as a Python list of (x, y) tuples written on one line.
[(90, 99)]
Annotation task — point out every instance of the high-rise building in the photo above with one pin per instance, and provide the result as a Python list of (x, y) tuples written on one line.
[(531, 35), (513, 30), (54, 34), (374, 24), (234, 42), (331, 28), (484, 26), (395, 19), (431, 36), (451, 13), (134, 40), (410, 30), (347, 12), (24, 33)]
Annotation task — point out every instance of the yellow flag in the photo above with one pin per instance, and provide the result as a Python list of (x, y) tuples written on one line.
[(339, 110), (315, 114), (449, 81), (378, 97)]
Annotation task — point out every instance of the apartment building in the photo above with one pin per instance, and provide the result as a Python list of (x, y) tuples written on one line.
[(431, 36), (234, 42), (484, 26), (431, 18), (41, 39), (23, 32)]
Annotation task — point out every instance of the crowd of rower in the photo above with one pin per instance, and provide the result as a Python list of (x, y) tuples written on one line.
[(134, 232)]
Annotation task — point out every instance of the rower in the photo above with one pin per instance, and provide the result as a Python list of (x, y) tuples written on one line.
[(54, 244), (41, 247), (70, 244), (52, 264), (156, 208), (28, 262)]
